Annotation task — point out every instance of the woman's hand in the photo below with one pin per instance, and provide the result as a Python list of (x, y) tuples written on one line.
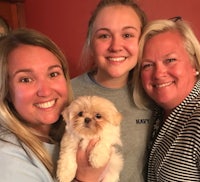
[(85, 172)]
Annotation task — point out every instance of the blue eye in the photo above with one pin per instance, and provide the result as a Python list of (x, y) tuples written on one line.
[(147, 65), (170, 60)]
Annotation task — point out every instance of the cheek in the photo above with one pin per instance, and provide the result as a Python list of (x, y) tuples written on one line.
[(183, 71), (98, 53), (99, 47), (146, 82), (61, 89), (145, 77), (20, 98), (133, 48), (20, 95), (64, 93)]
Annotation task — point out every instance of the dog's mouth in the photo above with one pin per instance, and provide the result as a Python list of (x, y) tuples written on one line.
[(89, 123)]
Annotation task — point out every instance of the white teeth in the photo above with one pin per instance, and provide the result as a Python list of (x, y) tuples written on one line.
[(163, 85), (117, 59), (46, 105)]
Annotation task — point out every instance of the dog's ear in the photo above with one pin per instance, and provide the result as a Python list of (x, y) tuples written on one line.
[(66, 114)]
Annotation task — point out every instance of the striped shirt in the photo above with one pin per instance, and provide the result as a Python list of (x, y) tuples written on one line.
[(175, 153)]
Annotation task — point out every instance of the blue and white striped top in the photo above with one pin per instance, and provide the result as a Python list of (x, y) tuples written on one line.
[(175, 153)]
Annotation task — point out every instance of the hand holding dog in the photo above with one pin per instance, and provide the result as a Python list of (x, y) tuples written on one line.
[(85, 172)]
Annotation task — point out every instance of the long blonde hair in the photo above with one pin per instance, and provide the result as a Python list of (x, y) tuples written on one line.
[(9, 119)]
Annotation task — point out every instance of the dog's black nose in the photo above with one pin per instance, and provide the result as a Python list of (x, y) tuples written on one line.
[(87, 120)]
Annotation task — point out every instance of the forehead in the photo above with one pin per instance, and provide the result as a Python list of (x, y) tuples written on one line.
[(31, 56), (168, 36), (30, 51), (169, 39), (165, 44), (117, 15)]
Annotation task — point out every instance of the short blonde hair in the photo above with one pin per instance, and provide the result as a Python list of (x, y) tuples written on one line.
[(152, 29)]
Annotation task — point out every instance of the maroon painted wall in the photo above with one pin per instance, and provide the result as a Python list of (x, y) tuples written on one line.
[(65, 21)]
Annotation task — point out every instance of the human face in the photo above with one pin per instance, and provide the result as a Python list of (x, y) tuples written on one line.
[(167, 72), (115, 41), (37, 86)]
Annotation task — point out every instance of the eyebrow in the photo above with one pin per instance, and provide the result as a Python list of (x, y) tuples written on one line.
[(29, 70), (124, 28), (130, 27)]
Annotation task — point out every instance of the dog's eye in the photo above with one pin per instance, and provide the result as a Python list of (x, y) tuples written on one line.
[(80, 113), (98, 116)]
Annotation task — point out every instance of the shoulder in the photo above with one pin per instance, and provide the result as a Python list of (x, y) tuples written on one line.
[(83, 85), (18, 164), (79, 78)]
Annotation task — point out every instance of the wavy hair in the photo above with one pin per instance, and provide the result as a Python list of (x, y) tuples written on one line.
[(9, 118)]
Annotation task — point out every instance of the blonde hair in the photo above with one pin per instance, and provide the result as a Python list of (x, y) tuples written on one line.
[(152, 29), (4, 24), (9, 118)]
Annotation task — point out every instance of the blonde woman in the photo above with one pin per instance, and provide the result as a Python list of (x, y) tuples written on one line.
[(34, 89), (110, 53), (168, 74)]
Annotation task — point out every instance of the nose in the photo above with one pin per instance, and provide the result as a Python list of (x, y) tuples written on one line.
[(115, 44), (43, 88), (87, 120), (159, 71)]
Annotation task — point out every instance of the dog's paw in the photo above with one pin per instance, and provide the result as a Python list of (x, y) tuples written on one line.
[(66, 170), (65, 175), (99, 158), (66, 178)]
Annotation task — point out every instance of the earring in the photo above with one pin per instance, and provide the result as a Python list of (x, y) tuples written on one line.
[(197, 73)]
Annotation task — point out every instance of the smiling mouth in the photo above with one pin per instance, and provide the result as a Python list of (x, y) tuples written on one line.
[(46, 105), (117, 59), (163, 84)]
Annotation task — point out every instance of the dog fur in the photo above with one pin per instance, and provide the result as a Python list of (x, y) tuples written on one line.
[(90, 117)]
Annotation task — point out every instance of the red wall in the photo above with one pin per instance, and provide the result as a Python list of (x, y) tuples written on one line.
[(65, 21)]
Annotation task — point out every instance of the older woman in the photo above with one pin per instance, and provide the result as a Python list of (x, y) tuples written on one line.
[(168, 74)]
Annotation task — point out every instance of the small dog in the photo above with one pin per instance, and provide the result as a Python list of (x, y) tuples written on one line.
[(91, 117)]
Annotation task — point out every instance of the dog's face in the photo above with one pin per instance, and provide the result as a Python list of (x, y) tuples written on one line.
[(87, 115)]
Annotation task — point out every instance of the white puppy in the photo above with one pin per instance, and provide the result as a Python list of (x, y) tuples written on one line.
[(90, 117)]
